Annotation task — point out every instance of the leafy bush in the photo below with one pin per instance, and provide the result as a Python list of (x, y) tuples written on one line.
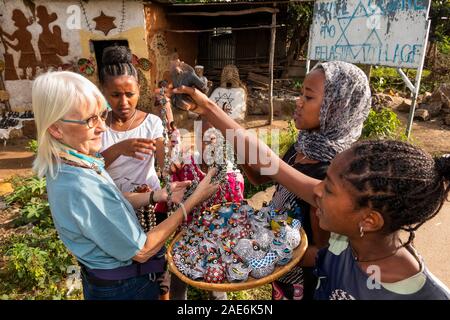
[(37, 212), (382, 78), (32, 146), (383, 124), (25, 190), (30, 195), (285, 140), (35, 266)]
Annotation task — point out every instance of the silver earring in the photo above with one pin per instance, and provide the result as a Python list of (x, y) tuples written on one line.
[(361, 231)]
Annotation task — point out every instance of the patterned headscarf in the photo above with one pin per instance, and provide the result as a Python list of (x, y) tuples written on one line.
[(346, 104)]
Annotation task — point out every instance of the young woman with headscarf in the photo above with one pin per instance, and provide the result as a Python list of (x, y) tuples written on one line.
[(330, 113)]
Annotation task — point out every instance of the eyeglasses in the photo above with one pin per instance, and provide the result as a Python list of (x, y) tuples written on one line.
[(92, 121)]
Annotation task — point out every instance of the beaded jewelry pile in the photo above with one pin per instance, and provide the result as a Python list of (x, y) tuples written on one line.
[(231, 242)]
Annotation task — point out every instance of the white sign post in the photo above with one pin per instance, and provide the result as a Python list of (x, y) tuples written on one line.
[(391, 33)]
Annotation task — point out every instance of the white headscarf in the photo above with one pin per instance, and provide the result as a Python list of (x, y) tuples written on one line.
[(346, 104)]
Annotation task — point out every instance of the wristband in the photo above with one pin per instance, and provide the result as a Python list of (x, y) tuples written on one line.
[(151, 201), (184, 211)]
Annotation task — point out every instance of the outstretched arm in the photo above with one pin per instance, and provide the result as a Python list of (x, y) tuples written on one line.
[(254, 176), (157, 237)]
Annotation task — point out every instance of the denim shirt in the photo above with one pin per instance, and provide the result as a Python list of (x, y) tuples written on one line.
[(93, 219)]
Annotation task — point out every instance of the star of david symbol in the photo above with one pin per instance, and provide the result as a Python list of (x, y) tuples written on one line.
[(104, 23), (224, 101), (373, 40)]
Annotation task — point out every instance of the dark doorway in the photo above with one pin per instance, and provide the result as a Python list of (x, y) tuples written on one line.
[(100, 45)]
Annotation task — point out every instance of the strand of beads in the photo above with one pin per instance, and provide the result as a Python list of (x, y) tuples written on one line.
[(166, 169)]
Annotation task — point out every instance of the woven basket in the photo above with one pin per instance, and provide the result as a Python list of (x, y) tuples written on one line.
[(297, 254)]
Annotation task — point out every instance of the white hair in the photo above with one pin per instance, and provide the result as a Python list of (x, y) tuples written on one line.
[(54, 94)]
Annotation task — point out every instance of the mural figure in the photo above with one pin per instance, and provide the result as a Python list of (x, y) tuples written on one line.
[(50, 43), (24, 46)]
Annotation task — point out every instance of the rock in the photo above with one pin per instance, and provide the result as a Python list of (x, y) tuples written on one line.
[(388, 98), (442, 94), (405, 106), (5, 188), (422, 115), (283, 106), (257, 106), (447, 120), (433, 108), (426, 96), (381, 100)]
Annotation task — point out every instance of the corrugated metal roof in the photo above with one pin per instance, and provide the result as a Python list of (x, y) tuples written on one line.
[(220, 2)]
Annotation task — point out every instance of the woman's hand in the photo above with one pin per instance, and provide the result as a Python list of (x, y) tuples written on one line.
[(135, 147), (178, 190), (200, 100)]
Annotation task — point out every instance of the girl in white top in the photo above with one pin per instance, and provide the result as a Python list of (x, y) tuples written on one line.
[(129, 171), (131, 133)]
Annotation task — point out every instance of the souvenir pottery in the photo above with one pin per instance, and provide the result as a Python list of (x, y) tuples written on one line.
[(184, 74), (284, 253), (278, 215), (237, 271), (264, 238), (225, 212), (197, 272), (260, 218), (207, 218), (248, 249), (207, 245), (226, 251), (245, 209), (215, 272), (262, 267), (292, 235), (181, 265)]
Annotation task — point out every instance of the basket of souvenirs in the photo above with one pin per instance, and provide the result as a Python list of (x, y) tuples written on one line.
[(232, 247)]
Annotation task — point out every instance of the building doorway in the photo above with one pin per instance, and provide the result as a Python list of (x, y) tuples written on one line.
[(100, 45)]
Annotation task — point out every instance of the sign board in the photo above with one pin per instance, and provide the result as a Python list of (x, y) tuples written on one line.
[(376, 32)]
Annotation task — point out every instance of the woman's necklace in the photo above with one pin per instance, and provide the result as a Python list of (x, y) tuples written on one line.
[(355, 256), (120, 123), (75, 158), (295, 160)]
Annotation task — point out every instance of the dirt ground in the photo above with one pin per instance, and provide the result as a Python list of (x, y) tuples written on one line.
[(432, 239)]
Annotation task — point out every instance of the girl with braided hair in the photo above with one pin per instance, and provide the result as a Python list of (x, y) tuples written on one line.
[(127, 141), (330, 113), (371, 192)]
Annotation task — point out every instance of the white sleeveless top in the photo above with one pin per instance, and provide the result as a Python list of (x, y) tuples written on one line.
[(128, 172)]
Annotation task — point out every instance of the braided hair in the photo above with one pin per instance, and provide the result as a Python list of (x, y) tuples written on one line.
[(117, 61), (402, 182)]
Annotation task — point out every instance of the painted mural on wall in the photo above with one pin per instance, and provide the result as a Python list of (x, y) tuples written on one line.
[(51, 46), (158, 46), (40, 35)]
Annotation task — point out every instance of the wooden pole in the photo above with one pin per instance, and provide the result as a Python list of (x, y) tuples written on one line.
[(271, 60)]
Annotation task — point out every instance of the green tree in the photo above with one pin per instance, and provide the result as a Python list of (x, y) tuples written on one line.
[(439, 29)]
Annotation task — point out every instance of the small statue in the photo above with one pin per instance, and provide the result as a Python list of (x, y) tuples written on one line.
[(184, 74)]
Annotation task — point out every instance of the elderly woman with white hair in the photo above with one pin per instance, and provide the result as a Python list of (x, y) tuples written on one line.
[(93, 218)]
